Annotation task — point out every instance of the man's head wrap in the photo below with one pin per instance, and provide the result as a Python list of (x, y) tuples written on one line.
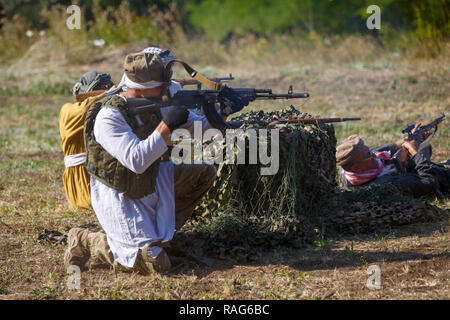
[(349, 150), (165, 55), (91, 81)]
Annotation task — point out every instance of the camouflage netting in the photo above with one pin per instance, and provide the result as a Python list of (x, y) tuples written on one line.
[(244, 206), (377, 208), (305, 177), (244, 209)]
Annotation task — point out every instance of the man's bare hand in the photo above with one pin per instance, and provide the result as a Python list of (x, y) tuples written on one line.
[(411, 146), (416, 127), (425, 135), (163, 130), (399, 143)]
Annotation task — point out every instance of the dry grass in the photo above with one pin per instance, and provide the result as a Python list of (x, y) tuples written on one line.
[(387, 92)]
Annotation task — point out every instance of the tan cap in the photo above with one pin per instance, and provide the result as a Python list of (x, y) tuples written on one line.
[(349, 150), (143, 67)]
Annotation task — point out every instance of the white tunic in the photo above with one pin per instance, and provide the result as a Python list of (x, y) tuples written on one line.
[(132, 224)]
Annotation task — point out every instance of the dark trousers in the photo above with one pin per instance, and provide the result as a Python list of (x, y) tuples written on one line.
[(191, 182)]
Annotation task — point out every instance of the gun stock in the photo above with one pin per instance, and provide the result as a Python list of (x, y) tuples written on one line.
[(186, 82), (83, 96)]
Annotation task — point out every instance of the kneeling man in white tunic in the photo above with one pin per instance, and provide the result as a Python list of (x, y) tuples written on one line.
[(139, 197)]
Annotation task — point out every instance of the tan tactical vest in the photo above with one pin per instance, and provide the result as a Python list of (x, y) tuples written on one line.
[(107, 169)]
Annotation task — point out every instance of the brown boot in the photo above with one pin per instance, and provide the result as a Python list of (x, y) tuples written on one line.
[(99, 249), (145, 264), (101, 252), (77, 252)]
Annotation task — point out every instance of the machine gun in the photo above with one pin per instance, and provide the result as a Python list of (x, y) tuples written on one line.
[(206, 99), (182, 81)]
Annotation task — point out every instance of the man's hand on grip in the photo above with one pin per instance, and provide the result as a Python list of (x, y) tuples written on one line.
[(175, 117)]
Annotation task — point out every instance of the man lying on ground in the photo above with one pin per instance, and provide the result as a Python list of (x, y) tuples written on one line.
[(362, 166)]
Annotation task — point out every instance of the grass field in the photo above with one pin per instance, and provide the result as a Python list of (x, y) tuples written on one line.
[(387, 92)]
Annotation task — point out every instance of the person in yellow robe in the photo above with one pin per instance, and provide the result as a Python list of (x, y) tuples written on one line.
[(71, 125)]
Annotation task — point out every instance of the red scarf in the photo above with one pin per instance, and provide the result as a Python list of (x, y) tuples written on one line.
[(362, 177)]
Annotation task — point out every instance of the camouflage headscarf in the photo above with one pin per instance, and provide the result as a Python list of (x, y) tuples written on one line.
[(91, 81)]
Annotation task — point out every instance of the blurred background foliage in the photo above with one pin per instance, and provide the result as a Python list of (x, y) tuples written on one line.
[(424, 23)]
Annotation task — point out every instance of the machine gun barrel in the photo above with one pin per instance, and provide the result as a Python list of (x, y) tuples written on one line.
[(282, 96), (319, 120)]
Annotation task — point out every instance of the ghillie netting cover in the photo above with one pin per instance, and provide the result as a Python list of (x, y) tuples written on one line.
[(244, 209), (377, 208), (305, 176)]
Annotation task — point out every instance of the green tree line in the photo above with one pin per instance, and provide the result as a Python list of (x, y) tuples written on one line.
[(218, 20)]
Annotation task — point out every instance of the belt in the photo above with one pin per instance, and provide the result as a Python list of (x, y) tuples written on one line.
[(75, 159)]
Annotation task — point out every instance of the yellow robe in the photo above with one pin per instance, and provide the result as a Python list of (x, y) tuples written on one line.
[(71, 125)]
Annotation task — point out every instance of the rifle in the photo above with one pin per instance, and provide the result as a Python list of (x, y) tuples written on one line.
[(185, 82), (195, 99), (236, 124), (422, 135)]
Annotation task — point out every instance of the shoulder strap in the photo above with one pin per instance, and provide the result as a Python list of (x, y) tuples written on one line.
[(197, 76)]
